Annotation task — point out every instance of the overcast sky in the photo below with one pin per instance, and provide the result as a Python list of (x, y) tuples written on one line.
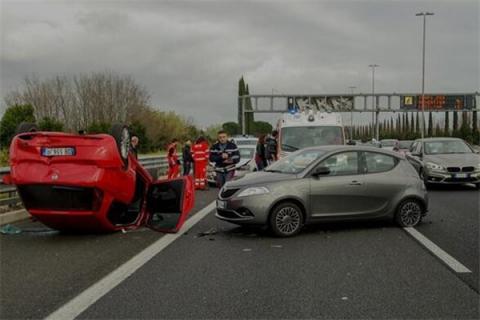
[(190, 54)]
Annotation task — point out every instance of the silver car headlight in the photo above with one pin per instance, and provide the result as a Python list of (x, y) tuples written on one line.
[(253, 191), (435, 167)]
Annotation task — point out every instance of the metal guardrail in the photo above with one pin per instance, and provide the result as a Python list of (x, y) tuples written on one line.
[(9, 196)]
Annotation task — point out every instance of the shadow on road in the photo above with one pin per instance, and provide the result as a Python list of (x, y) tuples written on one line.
[(452, 187), (318, 228)]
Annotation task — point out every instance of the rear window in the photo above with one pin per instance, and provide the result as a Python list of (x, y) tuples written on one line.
[(377, 162), (246, 153), (245, 142)]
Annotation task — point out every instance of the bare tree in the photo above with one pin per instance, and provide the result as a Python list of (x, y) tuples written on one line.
[(82, 100)]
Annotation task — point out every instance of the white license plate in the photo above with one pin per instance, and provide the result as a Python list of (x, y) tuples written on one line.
[(461, 175), (55, 152), (221, 204)]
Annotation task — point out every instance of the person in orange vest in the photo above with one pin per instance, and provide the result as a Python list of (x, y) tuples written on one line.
[(200, 152), (173, 162)]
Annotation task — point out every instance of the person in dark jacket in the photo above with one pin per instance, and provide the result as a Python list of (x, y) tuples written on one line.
[(187, 158), (260, 153), (225, 155), (271, 147), (134, 146)]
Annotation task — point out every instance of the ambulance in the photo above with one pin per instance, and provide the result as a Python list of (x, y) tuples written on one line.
[(309, 128)]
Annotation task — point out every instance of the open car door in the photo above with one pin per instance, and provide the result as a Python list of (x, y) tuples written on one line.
[(169, 203)]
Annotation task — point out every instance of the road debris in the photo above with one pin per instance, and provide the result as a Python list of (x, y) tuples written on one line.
[(210, 232), (9, 229)]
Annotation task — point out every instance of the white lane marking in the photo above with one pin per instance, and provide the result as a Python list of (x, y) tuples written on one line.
[(80, 303), (436, 250)]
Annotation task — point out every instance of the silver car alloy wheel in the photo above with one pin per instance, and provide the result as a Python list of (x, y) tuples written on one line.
[(410, 213), (288, 220)]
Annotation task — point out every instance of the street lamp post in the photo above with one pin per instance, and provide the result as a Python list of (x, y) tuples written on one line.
[(351, 112), (374, 107), (424, 15)]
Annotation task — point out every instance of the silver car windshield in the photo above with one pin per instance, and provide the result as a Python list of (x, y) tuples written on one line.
[(246, 153), (405, 144), (446, 147), (295, 138), (388, 143), (295, 162)]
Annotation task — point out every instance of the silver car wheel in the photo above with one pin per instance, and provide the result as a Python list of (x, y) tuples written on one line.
[(410, 213), (288, 220)]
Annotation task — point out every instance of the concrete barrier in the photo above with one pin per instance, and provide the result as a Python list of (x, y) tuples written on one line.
[(13, 216)]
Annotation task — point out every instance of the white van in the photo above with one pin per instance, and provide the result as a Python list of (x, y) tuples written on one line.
[(298, 130)]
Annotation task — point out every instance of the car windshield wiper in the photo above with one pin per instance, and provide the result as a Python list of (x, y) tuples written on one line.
[(286, 146)]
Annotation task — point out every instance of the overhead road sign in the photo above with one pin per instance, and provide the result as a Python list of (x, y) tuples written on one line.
[(438, 102)]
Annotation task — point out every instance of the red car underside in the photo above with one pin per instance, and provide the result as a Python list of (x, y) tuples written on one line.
[(92, 190)]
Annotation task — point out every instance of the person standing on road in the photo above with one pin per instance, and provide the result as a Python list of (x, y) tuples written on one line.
[(200, 161), (187, 158), (133, 146), (272, 147), (173, 162), (225, 155), (260, 154)]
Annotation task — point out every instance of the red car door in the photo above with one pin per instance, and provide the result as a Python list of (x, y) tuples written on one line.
[(169, 202)]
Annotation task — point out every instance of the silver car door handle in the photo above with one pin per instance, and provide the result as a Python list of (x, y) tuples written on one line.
[(355, 183)]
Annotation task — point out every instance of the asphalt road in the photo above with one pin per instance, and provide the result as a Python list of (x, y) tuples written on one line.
[(41, 269), (344, 270)]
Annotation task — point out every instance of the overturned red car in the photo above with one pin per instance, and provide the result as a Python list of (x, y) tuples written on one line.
[(93, 183)]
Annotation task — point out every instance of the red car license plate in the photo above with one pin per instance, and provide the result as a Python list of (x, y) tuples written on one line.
[(55, 152)]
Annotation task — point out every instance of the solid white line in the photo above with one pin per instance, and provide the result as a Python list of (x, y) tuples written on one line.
[(436, 250), (80, 303)]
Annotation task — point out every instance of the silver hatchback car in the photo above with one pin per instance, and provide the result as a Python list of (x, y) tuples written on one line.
[(328, 183)]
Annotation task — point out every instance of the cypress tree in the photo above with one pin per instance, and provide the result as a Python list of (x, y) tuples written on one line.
[(446, 128), (399, 125), (474, 122), (241, 92), (417, 123), (412, 123), (430, 124), (407, 123), (455, 123), (249, 117)]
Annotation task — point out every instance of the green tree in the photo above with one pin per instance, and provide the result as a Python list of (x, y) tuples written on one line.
[(212, 131), (262, 127), (475, 130), (417, 123), (412, 123), (243, 89), (407, 124), (249, 117), (465, 128), (12, 117), (455, 123), (138, 129), (99, 127), (50, 124), (474, 121), (232, 128), (430, 124), (446, 128)]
